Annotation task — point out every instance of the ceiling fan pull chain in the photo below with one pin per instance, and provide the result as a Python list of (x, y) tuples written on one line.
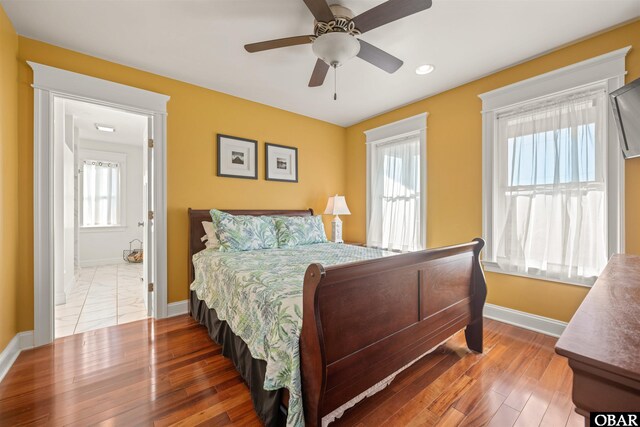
[(335, 82)]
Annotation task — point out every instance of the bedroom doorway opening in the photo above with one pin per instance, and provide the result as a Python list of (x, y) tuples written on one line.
[(101, 222), (50, 83)]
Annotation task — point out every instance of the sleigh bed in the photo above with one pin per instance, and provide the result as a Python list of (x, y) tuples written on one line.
[(362, 322)]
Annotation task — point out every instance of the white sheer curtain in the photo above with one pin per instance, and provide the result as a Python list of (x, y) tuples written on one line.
[(395, 195), (100, 193), (550, 195)]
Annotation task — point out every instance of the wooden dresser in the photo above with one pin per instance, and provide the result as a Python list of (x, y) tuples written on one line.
[(602, 341)]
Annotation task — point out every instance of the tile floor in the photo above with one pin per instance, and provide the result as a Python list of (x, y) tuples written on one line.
[(103, 296)]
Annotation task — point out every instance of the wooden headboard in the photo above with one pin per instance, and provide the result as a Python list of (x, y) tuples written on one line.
[(196, 216)]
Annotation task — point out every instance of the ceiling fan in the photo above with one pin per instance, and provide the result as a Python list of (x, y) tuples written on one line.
[(335, 35)]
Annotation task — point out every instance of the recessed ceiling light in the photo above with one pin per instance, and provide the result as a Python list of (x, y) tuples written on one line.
[(425, 69), (105, 128)]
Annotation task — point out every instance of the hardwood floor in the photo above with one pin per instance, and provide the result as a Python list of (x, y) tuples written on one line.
[(169, 372)]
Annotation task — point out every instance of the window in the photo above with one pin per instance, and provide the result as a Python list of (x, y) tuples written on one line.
[(101, 192), (396, 178), (549, 204), (552, 197)]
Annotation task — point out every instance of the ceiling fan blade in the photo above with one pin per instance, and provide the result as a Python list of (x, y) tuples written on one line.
[(320, 10), (379, 57), (387, 12), (319, 73), (277, 43)]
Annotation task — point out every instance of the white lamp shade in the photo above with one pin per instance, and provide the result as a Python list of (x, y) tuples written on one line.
[(337, 205), (336, 48)]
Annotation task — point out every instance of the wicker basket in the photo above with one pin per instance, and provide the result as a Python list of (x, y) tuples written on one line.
[(133, 255)]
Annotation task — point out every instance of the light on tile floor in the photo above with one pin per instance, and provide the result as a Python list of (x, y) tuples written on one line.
[(103, 296)]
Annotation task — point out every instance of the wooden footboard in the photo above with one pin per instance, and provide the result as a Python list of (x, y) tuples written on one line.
[(364, 321)]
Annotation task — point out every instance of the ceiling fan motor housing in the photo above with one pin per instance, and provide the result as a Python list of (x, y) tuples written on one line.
[(341, 23)]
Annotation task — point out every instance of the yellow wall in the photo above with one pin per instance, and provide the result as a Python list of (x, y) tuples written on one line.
[(8, 179), (454, 170), (195, 116)]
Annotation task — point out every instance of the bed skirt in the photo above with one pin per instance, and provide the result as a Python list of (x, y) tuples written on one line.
[(266, 403)]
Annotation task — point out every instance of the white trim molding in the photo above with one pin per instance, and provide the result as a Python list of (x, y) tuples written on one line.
[(532, 322), (177, 308), (395, 129), (603, 67), (48, 84), (493, 267), (21, 341), (51, 79), (607, 70)]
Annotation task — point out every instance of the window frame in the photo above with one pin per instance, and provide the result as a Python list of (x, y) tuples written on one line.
[(108, 156), (398, 131), (607, 70)]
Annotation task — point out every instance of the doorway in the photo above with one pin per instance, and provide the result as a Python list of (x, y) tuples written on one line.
[(99, 186), (48, 84)]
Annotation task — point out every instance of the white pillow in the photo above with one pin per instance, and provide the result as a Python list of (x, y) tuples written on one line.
[(210, 239)]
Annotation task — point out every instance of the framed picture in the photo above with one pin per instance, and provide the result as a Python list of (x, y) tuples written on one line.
[(237, 157), (281, 163)]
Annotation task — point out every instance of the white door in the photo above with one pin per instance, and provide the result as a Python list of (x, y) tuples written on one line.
[(148, 212)]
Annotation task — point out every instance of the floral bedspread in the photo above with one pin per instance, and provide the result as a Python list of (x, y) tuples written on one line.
[(259, 294)]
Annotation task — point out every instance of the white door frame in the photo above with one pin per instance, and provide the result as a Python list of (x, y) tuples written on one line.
[(47, 83)]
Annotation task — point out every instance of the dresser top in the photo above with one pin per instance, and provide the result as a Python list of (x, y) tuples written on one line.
[(605, 331)]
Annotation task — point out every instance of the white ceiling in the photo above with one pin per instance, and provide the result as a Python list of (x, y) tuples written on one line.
[(130, 129), (201, 42)]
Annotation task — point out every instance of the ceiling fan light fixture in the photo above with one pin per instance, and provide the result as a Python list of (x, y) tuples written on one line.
[(425, 69), (336, 48)]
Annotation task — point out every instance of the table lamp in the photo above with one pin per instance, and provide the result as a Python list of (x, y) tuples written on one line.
[(336, 205)]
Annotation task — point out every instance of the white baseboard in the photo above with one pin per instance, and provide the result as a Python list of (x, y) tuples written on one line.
[(533, 322), (177, 308), (21, 341), (98, 262)]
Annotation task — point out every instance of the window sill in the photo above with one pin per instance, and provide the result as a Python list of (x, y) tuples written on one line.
[(102, 229), (493, 267)]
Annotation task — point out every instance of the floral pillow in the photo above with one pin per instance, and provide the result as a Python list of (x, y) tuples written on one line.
[(299, 230), (244, 232)]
